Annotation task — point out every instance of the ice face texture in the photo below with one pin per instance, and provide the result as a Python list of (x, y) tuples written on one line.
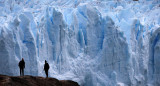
[(93, 42)]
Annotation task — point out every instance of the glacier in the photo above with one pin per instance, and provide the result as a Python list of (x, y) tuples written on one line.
[(93, 42)]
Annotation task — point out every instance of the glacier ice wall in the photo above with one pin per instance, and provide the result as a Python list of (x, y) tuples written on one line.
[(94, 42)]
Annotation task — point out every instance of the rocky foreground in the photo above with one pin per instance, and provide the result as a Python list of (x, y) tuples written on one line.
[(33, 81)]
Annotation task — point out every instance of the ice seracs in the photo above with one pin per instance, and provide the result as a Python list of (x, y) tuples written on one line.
[(94, 42)]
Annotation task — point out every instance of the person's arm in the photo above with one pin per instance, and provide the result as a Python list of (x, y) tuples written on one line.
[(48, 66), (24, 64)]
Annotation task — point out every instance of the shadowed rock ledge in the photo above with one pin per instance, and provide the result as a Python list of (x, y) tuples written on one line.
[(33, 81)]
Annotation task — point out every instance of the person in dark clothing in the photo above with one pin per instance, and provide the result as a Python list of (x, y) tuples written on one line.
[(46, 68), (21, 67)]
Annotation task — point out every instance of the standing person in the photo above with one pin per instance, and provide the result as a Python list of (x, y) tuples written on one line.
[(46, 68), (21, 67)]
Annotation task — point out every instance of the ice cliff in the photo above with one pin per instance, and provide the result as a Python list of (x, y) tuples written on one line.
[(93, 42)]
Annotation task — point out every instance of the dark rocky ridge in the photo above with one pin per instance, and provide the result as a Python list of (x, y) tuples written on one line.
[(33, 81)]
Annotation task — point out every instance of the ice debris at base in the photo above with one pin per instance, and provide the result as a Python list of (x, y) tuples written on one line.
[(93, 42)]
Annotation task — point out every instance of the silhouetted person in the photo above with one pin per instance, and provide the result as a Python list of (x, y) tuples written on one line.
[(46, 68), (21, 67)]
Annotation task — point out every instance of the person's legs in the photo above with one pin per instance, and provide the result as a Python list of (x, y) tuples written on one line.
[(46, 71), (22, 72)]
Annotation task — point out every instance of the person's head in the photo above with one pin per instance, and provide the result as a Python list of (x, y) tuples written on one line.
[(45, 61), (22, 59)]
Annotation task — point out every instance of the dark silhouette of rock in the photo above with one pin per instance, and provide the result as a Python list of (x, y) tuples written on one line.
[(68, 83), (33, 81)]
